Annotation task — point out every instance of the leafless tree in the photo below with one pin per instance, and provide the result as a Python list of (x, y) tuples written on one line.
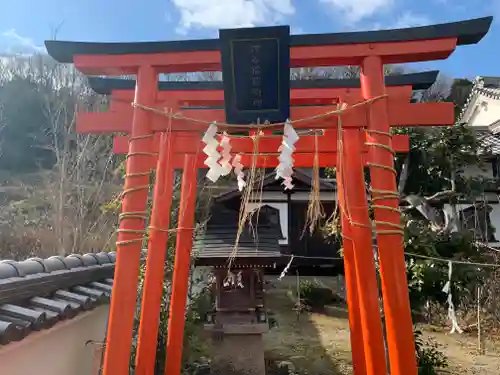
[(83, 177), (63, 207)]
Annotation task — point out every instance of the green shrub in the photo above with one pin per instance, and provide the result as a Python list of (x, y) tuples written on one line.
[(429, 358), (315, 295)]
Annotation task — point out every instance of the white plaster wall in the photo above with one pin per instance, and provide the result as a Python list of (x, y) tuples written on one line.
[(60, 350), (283, 210), (494, 217), (471, 171), (485, 113), (495, 222), (278, 200)]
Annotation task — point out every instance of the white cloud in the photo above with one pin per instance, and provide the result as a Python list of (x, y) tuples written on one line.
[(406, 19), (409, 19), (220, 14), (358, 10), (297, 30), (20, 44)]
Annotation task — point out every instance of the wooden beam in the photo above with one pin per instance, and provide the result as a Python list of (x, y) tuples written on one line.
[(305, 145), (326, 160), (300, 56), (418, 114), (214, 98), (398, 45)]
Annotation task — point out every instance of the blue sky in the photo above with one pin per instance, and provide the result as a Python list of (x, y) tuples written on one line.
[(25, 24)]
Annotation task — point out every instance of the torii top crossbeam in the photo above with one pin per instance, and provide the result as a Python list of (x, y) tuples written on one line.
[(308, 92), (400, 88), (420, 44)]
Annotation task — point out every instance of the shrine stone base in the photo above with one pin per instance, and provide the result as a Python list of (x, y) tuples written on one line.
[(239, 354), (238, 349)]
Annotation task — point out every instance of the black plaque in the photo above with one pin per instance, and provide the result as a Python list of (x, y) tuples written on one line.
[(256, 74)]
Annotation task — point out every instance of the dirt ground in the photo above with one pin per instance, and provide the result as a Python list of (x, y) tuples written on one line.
[(319, 343), (462, 352)]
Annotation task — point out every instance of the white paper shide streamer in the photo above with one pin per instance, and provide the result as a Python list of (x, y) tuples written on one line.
[(225, 162), (451, 307), (285, 270), (284, 169), (215, 170), (234, 281), (238, 171)]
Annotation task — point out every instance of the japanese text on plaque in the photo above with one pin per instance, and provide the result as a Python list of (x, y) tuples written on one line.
[(256, 77)]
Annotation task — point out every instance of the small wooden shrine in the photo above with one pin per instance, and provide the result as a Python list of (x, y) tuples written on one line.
[(239, 319)]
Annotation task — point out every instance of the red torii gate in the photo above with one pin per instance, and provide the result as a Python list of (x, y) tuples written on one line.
[(370, 50), (304, 157)]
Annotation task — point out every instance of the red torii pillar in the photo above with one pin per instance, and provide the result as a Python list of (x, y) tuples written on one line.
[(130, 236), (155, 261), (352, 287), (390, 236), (180, 278)]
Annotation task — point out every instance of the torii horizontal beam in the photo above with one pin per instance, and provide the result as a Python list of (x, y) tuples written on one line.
[(215, 98), (184, 144), (325, 160), (417, 114), (393, 46), (417, 81)]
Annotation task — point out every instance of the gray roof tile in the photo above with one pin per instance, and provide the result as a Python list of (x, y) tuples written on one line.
[(258, 241), (37, 293)]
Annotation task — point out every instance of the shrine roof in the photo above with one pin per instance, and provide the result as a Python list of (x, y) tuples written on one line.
[(488, 142), (466, 32), (418, 81), (269, 180), (36, 294), (258, 243), (481, 113), (482, 87)]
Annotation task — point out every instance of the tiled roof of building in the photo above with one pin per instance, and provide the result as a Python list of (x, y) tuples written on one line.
[(258, 242), (486, 86), (37, 293), (269, 183), (483, 87), (488, 142)]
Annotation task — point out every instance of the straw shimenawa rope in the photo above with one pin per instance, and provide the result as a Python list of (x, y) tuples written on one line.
[(377, 195), (139, 215), (315, 212), (225, 125), (252, 194), (142, 215)]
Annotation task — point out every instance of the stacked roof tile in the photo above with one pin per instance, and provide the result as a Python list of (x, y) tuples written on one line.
[(257, 244), (37, 293), (488, 142), (486, 86)]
